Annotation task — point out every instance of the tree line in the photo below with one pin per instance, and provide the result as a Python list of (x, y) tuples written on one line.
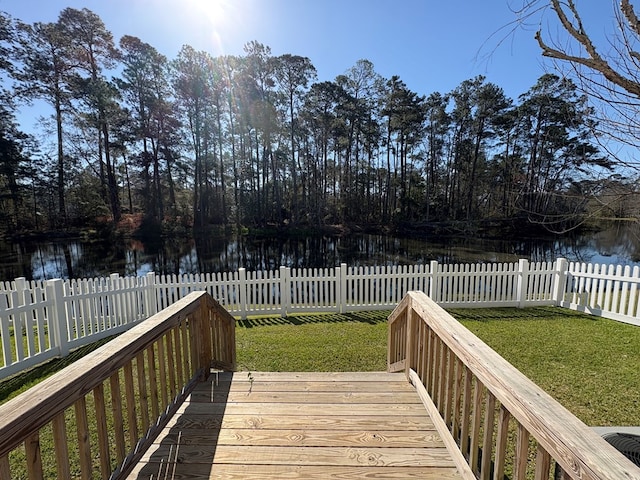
[(258, 140)]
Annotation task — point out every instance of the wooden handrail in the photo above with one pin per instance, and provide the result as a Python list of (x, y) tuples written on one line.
[(147, 371), (487, 403)]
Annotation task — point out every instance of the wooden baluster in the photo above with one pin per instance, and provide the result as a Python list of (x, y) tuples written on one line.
[(417, 342), (142, 391), (457, 403), (402, 338), (61, 445), (424, 360), (130, 395), (522, 454), (435, 362), (465, 414), (448, 393), (428, 370), (34, 459), (5, 468), (219, 334), (475, 425), (153, 383), (162, 369), (487, 441), (501, 442), (189, 362), (171, 365), (442, 377), (217, 331), (543, 464), (416, 349), (103, 435), (399, 337), (229, 341), (84, 445), (178, 354), (224, 340), (118, 421)]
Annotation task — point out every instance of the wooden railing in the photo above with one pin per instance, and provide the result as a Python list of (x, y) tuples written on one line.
[(498, 420), (95, 418)]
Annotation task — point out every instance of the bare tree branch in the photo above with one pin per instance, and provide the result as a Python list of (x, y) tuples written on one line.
[(594, 60)]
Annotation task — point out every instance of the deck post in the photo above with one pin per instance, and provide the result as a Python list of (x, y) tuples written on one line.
[(409, 349), (58, 315), (203, 340)]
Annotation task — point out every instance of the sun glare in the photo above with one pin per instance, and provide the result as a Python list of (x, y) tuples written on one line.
[(217, 12), (218, 27), (223, 20)]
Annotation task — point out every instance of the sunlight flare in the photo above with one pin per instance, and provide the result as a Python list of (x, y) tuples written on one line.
[(221, 19)]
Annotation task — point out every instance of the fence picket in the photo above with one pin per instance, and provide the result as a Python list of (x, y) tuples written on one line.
[(68, 314), (5, 333), (632, 309)]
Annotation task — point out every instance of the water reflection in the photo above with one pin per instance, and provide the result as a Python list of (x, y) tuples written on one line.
[(80, 259)]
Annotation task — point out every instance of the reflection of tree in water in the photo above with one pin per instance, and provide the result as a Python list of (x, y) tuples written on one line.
[(264, 253), (168, 256), (211, 254), (17, 260), (621, 240), (79, 259)]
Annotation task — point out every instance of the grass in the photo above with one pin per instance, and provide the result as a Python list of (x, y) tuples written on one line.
[(587, 363), (329, 342), (17, 384)]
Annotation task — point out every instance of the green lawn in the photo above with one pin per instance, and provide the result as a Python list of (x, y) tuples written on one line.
[(588, 364), (330, 342)]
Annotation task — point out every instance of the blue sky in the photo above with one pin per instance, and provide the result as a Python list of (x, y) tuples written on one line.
[(432, 45)]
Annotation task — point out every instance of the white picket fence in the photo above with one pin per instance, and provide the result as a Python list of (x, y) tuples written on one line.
[(46, 319)]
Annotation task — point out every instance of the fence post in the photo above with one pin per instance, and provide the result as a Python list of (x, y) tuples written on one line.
[(151, 298), (433, 280), (58, 315), (342, 288), (242, 286), (559, 281), (338, 288), (21, 288), (285, 290), (523, 282)]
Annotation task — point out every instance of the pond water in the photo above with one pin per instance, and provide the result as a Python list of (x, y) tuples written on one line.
[(84, 259)]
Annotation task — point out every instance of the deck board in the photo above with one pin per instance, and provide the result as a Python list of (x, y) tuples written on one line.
[(300, 425)]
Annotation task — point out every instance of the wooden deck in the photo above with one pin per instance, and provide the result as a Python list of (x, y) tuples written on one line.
[(300, 425)]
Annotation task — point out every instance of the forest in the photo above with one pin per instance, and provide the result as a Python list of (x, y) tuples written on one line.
[(258, 141)]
